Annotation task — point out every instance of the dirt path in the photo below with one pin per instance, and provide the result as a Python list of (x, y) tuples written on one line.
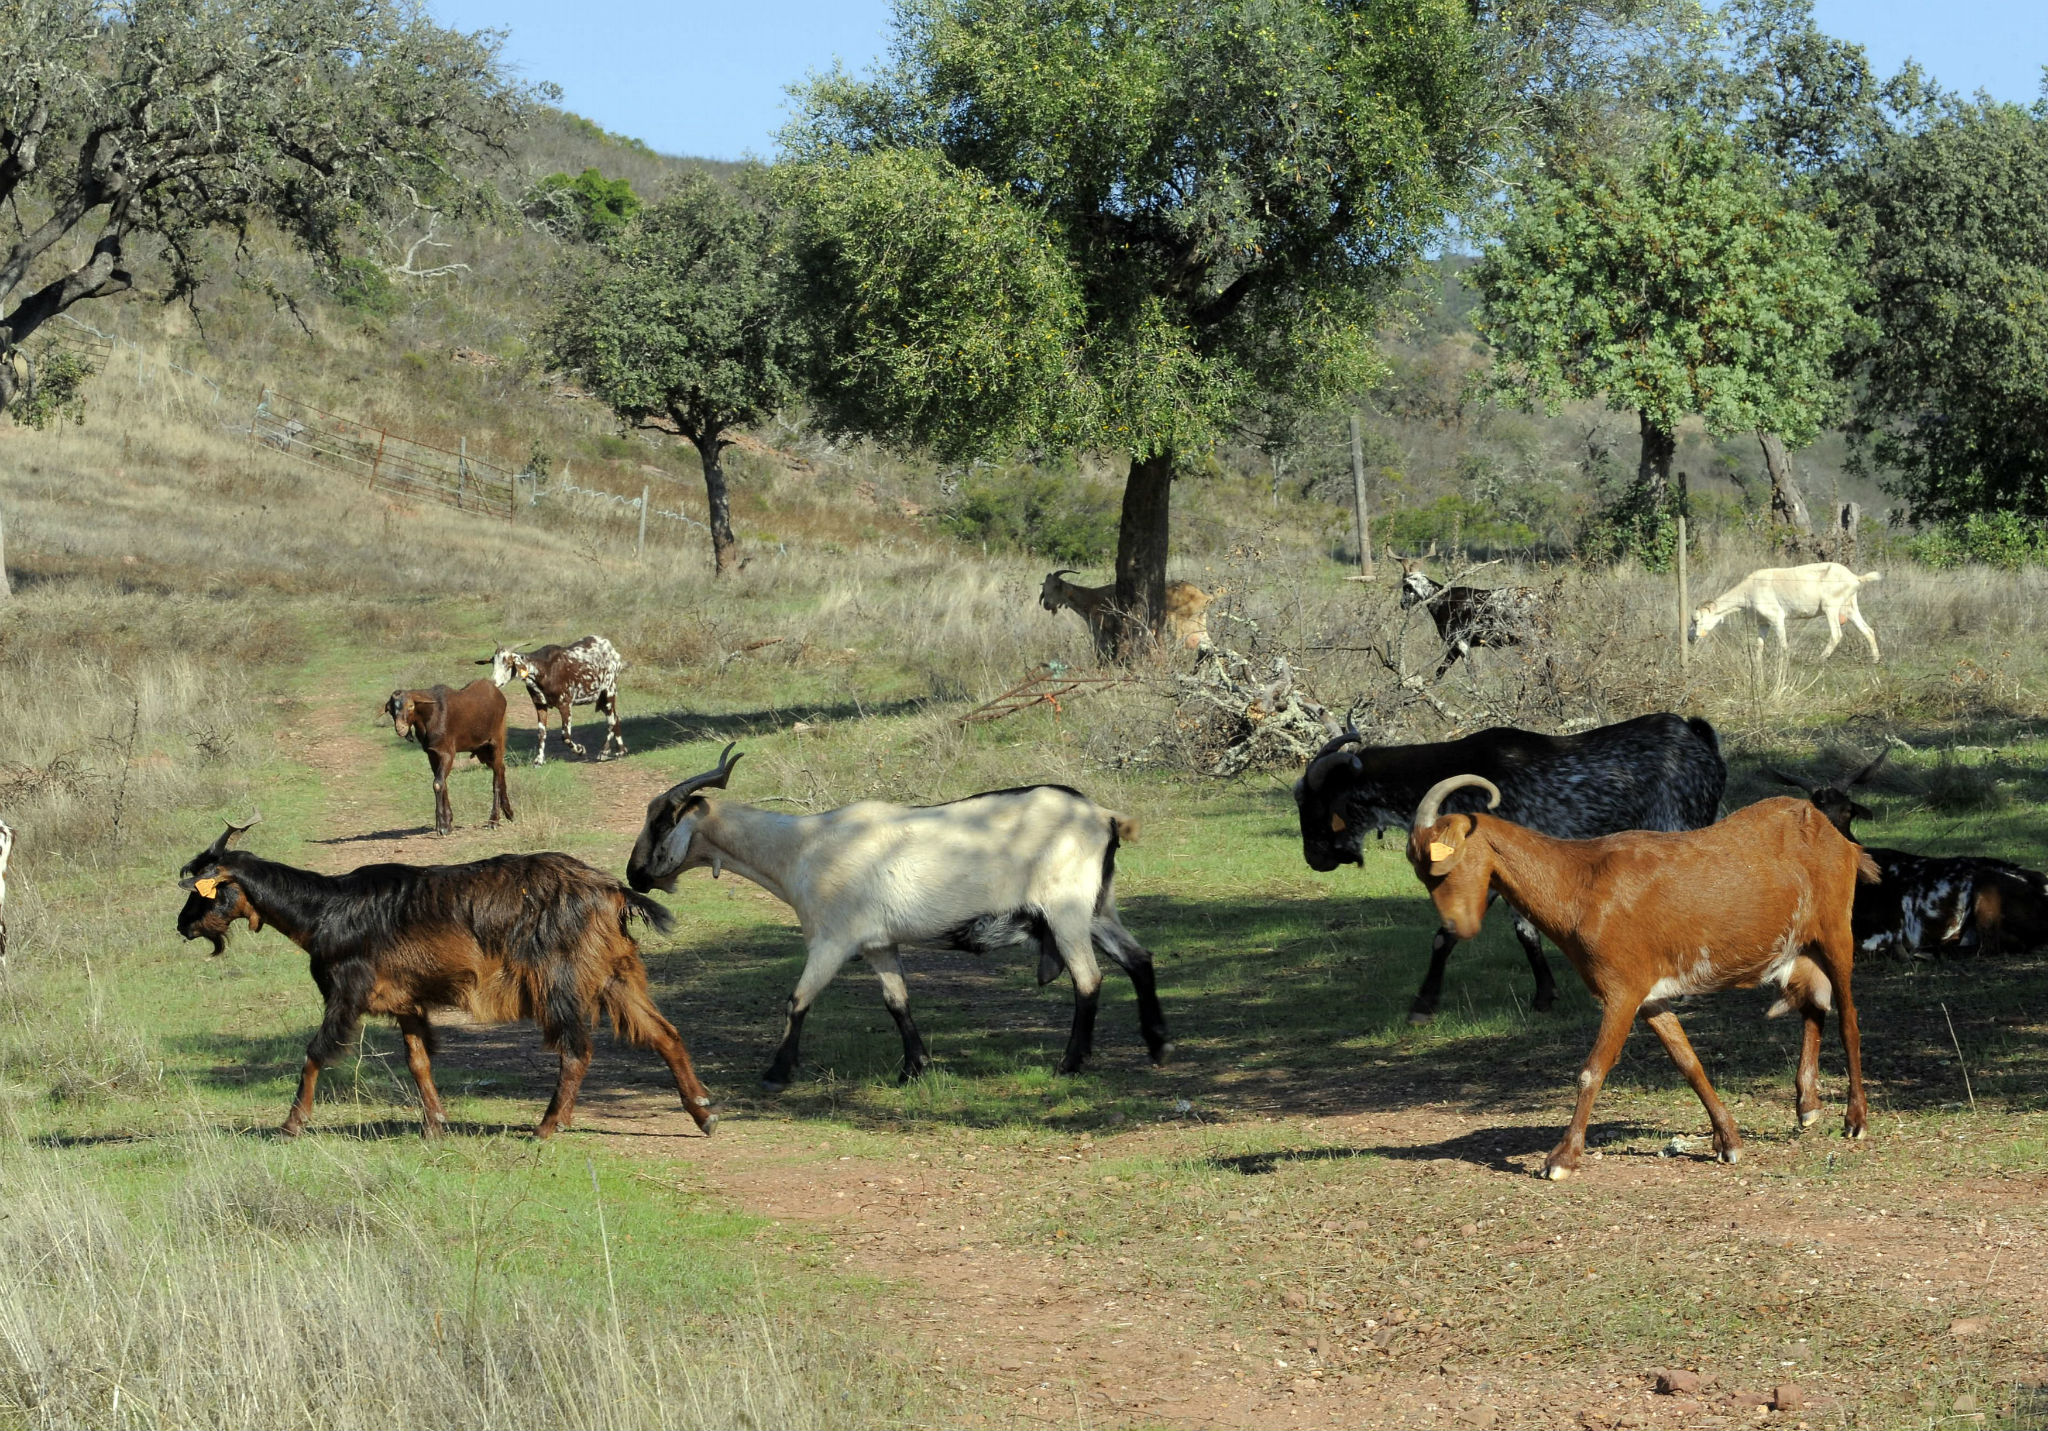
[(1084, 1332)]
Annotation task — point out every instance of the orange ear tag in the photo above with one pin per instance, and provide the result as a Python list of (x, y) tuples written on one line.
[(1439, 851), (207, 888), (1336, 824)]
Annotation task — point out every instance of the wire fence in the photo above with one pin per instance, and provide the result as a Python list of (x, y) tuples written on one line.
[(384, 460)]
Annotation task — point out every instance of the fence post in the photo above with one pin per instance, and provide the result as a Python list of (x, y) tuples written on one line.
[(1684, 604), (377, 461), (461, 472), (640, 550), (1358, 500)]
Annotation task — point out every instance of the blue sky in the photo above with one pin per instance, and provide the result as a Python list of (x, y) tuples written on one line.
[(711, 80)]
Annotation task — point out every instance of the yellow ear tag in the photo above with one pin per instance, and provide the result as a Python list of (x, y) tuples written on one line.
[(1439, 851), (1336, 824), (207, 888)]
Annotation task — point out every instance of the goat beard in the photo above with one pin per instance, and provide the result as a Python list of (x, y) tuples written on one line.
[(218, 941)]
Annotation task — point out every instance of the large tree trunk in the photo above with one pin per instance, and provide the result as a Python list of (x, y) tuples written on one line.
[(725, 548), (1141, 544), (1787, 505), (1653, 468)]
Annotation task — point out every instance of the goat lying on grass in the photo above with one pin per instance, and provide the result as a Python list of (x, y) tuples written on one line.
[(450, 723), (1775, 593), (1656, 772), (1925, 905), (1033, 867), (535, 937), (1646, 917)]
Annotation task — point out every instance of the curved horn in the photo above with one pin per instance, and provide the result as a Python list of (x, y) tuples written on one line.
[(1065, 571), (1425, 813), (234, 832), (1320, 764), (1871, 769), (713, 779)]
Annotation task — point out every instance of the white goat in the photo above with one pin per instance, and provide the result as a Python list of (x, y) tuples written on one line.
[(1034, 866), (1774, 593), (1187, 609), (6, 849)]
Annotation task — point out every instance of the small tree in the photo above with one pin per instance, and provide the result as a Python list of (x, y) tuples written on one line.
[(1680, 285), (589, 206), (1126, 225), (681, 317), (163, 120), (1955, 393)]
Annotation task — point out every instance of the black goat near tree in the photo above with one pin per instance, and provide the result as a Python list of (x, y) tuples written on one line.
[(541, 938)]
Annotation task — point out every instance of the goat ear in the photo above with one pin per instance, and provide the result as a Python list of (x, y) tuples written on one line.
[(1445, 846)]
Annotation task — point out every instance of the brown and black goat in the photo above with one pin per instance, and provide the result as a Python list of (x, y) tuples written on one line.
[(1928, 905), (540, 937), (1468, 617), (450, 723), (1646, 917)]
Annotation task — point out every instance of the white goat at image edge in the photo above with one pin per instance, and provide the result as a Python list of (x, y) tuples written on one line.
[(1775, 593)]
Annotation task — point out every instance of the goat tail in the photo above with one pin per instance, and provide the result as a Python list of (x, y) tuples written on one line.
[(1867, 871), (1870, 576), (1126, 829), (641, 907)]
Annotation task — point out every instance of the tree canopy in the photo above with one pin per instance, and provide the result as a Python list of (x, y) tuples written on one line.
[(682, 317), (172, 118), (1955, 392), (589, 206), (1124, 225), (1680, 285)]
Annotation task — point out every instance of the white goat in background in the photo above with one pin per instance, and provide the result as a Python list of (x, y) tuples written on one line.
[(1034, 866), (1774, 593)]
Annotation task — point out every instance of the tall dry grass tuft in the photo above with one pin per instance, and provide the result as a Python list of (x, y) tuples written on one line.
[(248, 1300)]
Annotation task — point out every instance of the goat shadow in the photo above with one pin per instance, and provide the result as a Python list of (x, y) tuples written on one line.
[(660, 730)]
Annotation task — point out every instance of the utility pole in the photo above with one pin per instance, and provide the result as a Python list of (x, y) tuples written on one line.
[(1358, 499)]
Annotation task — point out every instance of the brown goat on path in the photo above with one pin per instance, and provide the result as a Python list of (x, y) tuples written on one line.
[(450, 723), (537, 937), (1763, 897)]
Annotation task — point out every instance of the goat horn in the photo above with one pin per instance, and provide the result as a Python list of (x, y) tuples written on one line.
[(1425, 813), (1871, 769), (1320, 763), (1783, 779), (710, 780), (234, 831)]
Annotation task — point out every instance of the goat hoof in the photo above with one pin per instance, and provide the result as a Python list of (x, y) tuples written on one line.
[(1542, 1002), (771, 1084), (290, 1130), (709, 1125), (1162, 1053), (1418, 1017), (1810, 1117), (1556, 1172), (1728, 1155)]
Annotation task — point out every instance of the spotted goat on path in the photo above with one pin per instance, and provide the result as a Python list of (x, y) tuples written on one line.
[(559, 678)]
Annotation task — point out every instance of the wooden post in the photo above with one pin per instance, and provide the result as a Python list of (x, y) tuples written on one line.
[(377, 461), (641, 549), (461, 471), (1358, 499), (1684, 597)]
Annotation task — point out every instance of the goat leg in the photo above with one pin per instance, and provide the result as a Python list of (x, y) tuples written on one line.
[(345, 998), (419, 1049), (302, 1106), (1423, 1010), (566, 706), (1727, 1139), (1615, 1020), (1532, 945), (634, 1015), (896, 999), (1136, 960), (783, 1066), (575, 1056)]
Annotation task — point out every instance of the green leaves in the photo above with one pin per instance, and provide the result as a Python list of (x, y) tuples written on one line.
[(1955, 219), (1682, 285), (683, 313), (1125, 224), (944, 310)]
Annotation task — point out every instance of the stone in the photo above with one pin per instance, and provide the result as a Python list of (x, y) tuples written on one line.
[(1748, 1398), (1678, 1382), (1969, 1326), (1293, 1297), (1787, 1397), (1965, 1403)]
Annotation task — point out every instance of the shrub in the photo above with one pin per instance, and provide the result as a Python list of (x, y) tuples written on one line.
[(55, 392), (2007, 540), (589, 206), (362, 286), (1451, 522), (1072, 521)]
